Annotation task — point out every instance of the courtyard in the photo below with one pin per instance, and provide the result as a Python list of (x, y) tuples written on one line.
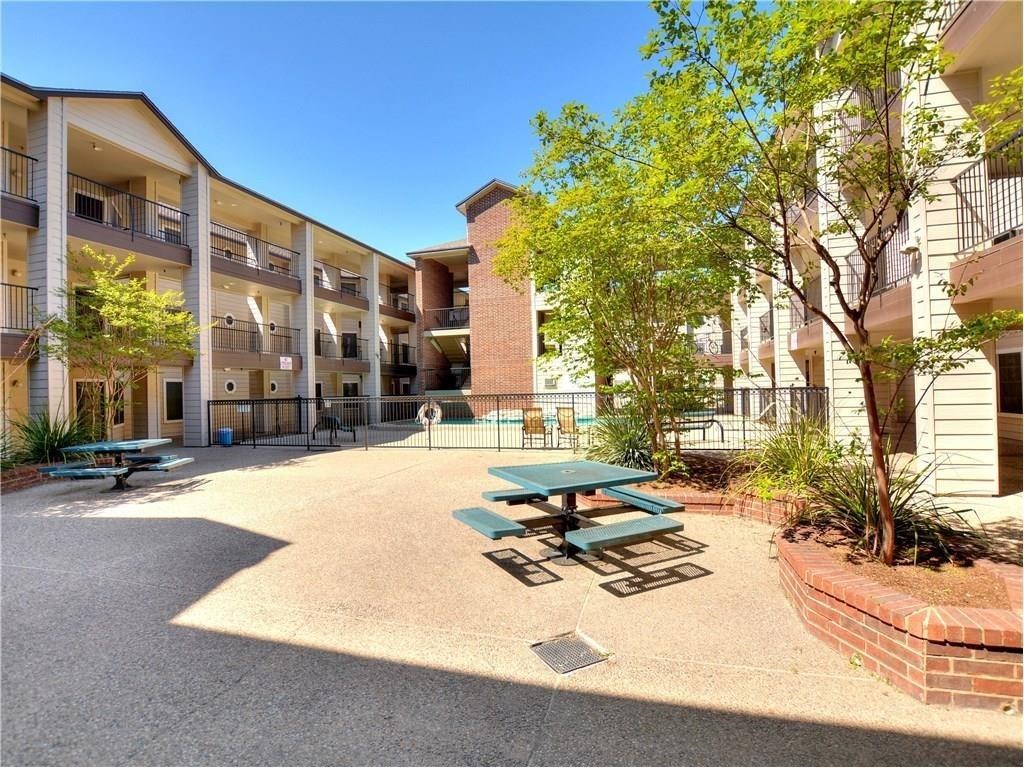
[(271, 606)]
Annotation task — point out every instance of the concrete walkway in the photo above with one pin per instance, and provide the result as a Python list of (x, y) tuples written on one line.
[(326, 609)]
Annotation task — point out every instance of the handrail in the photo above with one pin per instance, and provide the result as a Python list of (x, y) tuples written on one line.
[(989, 193), (397, 353), (234, 245), (337, 279), (125, 211), (17, 312), (894, 265), (19, 172), (446, 317), (343, 346), (232, 335)]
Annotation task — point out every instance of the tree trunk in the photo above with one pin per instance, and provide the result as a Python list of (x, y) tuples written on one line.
[(888, 525)]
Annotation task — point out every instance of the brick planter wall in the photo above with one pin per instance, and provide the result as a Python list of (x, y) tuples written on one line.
[(961, 657), (20, 477)]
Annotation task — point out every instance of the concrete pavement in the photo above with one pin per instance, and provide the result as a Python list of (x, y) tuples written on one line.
[(326, 609)]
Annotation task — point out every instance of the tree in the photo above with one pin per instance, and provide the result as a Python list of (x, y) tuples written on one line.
[(591, 233), (816, 102), (115, 329)]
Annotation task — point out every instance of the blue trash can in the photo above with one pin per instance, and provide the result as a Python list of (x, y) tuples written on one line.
[(225, 436)]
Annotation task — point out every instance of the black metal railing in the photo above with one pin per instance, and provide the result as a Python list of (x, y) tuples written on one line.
[(457, 377), (117, 209), (344, 346), (714, 419), (232, 335), (766, 327), (398, 299), (988, 197), (341, 280), (17, 312), (242, 248), (19, 177), (713, 343), (448, 317), (894, 265), (948, 11), (397, 353)]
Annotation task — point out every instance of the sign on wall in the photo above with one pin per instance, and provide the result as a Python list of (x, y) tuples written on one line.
[(286, 363)]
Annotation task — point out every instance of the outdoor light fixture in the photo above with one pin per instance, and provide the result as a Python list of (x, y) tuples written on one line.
[(96, 147)]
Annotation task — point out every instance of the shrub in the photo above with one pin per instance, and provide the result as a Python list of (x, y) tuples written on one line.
[(622, 439), (38, 439), (795, 457), (847, 499)]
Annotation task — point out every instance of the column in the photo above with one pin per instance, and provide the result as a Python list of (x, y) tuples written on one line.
[(302, 308), (198, 378)]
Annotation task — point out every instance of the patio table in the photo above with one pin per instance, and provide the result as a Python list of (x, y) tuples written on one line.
[(567, 479), (119, 449)]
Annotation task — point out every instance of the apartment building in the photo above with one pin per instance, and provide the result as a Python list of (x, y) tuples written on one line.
[(477, 334), (288, 306), (970, 420)]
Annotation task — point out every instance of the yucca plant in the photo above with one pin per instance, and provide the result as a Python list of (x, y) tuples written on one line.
[(847, 499), (622, 439), (39, 439), (795, 457)]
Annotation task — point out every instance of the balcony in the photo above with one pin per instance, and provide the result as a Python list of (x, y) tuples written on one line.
[(245, 256), (339, 285), (17, 318), (894, 265), (806, 328), (446, 319), (766, 335), (246, 344), (395, 354), (988, 198), (344, 352), (103, 214), (399, 304), (715, 347), (744, 340), (19, 172)]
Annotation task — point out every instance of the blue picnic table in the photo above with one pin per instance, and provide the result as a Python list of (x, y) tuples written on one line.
[(537, 483), (129, 457)]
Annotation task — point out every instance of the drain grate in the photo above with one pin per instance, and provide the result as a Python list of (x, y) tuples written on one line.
[(568, 653)]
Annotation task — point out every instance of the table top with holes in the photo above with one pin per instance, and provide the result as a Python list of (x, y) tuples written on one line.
[(571, 476)]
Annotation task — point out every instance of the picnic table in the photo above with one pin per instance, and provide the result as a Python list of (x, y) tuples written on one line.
[(580, 534), (129, 457)]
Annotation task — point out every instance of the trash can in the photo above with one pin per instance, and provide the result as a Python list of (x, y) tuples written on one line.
[(225, 436)]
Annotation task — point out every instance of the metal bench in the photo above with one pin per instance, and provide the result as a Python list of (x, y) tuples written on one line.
[(514, 496), (334, 425), (58, 467), (598, 537), (166, 464), (490, 524), (121, 474), (645, 501)]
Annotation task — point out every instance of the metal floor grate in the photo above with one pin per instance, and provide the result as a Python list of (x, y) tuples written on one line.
[(568, 653)]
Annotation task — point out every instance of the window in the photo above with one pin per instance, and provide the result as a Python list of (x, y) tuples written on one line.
[(229, 386), (319, 395), (273, 387), (173, 406), (229, 319), (118, 401), (1010, 383), (350, 389), (88, 207)]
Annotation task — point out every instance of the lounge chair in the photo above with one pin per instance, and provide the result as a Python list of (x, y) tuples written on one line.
[(534, 426), (567, 427)]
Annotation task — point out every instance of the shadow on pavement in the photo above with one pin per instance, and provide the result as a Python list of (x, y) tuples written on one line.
[(94, 672)]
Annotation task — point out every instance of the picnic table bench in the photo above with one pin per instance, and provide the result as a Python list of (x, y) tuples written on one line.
[(128, 459)]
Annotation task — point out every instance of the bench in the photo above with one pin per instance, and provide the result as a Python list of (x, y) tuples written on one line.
[(57, 467), (645, 501), (91, 473), (514, 496), (702, 420), (166, 464), (490, 524), (141, 459), (599, 537), (333, 424)]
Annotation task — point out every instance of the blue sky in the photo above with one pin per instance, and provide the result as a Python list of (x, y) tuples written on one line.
[(375, 118)]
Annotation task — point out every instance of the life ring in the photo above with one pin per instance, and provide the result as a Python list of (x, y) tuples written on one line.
[(430, 414)]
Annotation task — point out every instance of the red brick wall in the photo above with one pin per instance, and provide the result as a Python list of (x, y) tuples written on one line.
[(501, 336), (433, 291), (20, 477)]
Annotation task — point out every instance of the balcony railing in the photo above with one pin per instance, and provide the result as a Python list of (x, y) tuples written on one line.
[(242, 248), (341, 280), (988, 197), (894, 264), (948, 11), (19, 174), (120, 210), (713, 343), (17, 313), (766, 326), (398, 299), (744, 340), (232, 335), (448, 317), (801, 315), (397, 353), (456, 378), (345, 346)]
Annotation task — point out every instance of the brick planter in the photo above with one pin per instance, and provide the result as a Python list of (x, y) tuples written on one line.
[(961, 657), (20, 477)]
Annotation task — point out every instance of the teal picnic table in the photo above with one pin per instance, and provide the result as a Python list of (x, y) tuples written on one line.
[(129, 457), (566, 479)]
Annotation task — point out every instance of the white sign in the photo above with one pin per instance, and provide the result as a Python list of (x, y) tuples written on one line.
[(286, 363)]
